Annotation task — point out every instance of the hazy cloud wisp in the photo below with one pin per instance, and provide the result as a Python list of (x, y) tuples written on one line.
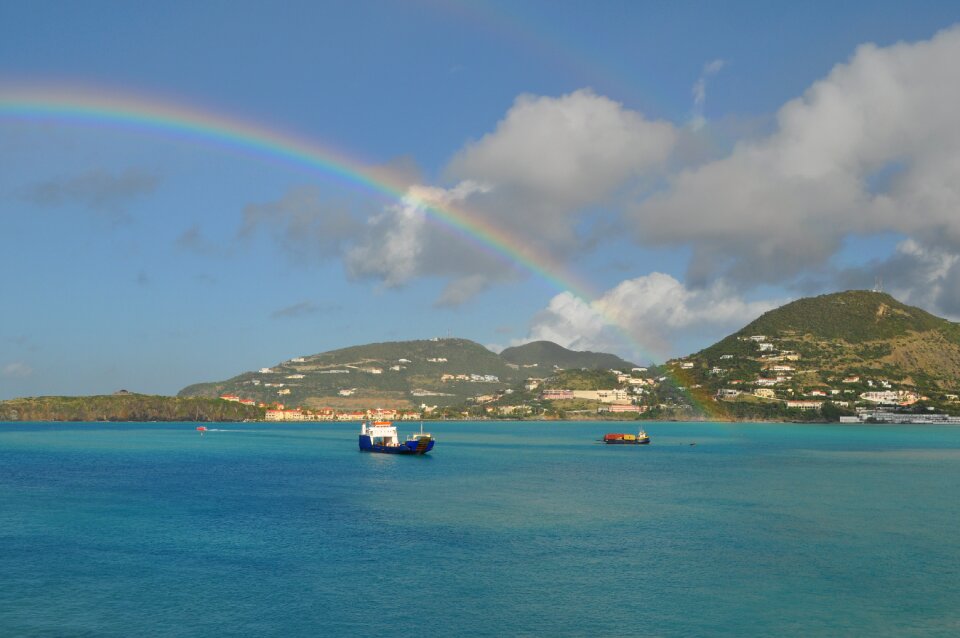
[(100, 191)]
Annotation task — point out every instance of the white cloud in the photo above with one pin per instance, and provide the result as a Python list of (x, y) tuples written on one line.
[(699, 90), (781, 205), (572, 151), (654, 316)]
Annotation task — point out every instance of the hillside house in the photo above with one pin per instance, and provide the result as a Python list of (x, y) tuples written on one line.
[(615, 395), (891, 397), (805, 405), (637, 409), (532, 384)]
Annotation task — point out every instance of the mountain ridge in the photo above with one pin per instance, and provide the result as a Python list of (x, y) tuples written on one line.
[(401, 374)]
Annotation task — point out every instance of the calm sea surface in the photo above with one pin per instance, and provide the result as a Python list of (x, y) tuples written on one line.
[(505, 529)]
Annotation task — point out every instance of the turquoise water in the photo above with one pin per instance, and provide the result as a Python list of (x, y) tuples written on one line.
[(505, 529)]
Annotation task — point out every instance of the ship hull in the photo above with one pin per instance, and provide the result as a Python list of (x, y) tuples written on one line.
[(622, 442), (421, 446)]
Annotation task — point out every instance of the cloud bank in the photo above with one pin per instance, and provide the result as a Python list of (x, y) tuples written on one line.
[(873, 147)]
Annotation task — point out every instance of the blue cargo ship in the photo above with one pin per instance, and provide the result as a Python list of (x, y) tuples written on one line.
[(381, 436)]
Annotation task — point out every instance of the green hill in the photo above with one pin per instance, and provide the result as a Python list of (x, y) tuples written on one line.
[(838, 347), (125, 407), (401, 374), (547, 355), (855, 316)]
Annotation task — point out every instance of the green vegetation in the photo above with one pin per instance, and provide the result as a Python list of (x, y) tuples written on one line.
[(855, 316), (582, 380), (814, 347), (125, 407), (546, 356)]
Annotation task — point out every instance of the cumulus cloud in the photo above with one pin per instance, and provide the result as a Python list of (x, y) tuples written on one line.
[(305, 225), (97, 190), (872, 147), (573, 150), (552, 159), (654, 316)]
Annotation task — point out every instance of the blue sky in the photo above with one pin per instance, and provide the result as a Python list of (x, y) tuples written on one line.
[(695, 163)]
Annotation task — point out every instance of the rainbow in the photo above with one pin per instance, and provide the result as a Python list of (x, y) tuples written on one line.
[(84, 105), (88, 106)]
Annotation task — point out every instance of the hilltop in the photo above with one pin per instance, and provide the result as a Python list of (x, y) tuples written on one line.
[(853, 348), (546, 356)]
